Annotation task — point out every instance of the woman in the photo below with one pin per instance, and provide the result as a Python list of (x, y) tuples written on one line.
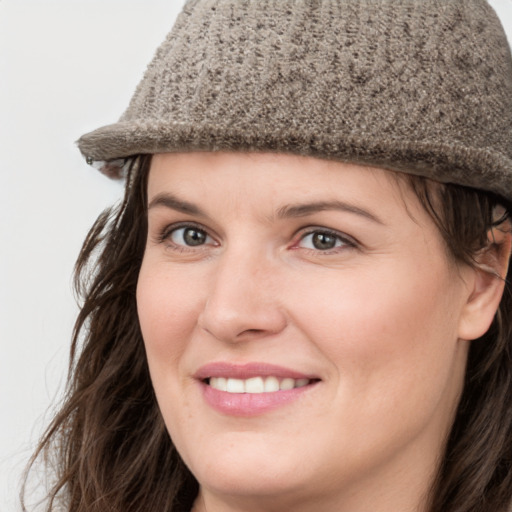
[(301, 303)]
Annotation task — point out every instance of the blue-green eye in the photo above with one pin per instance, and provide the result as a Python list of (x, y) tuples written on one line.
[(323, 241), (189, 236)]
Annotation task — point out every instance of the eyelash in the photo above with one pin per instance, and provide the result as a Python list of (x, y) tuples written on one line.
[(165, 236), (345, 242)]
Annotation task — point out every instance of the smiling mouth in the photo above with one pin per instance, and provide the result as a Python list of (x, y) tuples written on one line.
[(257, 385), (251, 389)]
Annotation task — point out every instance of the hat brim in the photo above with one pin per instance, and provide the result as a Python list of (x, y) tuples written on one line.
[(447, 163)]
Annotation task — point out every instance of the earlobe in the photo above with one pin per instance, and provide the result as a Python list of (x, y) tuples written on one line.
[(486, 285)]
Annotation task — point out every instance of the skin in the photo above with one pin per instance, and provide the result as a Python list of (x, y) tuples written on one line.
[(382, 319)]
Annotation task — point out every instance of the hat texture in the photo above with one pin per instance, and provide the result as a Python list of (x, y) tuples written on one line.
[(423, 87)]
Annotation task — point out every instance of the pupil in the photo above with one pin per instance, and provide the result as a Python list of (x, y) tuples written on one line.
[(324, 241), (194, 237)]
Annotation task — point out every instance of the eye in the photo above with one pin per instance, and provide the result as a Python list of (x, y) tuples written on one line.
[(324, 240), (189, 236)]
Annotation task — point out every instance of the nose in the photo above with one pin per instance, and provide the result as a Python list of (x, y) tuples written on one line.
[(242, 301)]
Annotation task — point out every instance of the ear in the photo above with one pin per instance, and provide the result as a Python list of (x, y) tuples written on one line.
[(487, 281)]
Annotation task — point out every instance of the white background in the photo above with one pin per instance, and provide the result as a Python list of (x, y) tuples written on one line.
[(66, 67)]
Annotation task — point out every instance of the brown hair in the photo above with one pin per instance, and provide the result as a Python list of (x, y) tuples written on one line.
[(109, 444)]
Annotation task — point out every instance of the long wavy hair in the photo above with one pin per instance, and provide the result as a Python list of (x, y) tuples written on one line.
[(108, 450)]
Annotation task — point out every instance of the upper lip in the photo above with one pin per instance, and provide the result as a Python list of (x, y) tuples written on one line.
[(248, 370)]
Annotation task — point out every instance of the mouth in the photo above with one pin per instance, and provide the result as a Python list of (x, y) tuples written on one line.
[(251, 389), (257, 385)]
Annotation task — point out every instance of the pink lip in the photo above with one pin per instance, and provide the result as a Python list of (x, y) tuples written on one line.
[(249, 404), (248, 370)]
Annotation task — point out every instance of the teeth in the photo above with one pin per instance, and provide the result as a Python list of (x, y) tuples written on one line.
[(256, 384), (235, 386), (221, 383), (287, 384), (271, 384)]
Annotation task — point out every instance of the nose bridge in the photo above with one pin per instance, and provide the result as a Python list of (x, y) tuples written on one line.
[(242, 300)]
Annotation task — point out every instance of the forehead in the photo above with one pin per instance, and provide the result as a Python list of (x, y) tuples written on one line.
[(268, 179)]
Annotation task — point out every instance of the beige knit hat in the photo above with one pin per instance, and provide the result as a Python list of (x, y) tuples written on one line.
[(420, 86)]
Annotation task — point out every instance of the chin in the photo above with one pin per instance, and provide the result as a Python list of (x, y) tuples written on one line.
[(248, 464)]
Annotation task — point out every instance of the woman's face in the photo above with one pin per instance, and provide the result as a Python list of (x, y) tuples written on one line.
[(302, 325)]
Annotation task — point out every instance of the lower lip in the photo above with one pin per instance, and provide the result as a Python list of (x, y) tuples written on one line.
[(251, 404)]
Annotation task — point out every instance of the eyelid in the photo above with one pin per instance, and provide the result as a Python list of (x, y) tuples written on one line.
[(164, 235), (347, 241)]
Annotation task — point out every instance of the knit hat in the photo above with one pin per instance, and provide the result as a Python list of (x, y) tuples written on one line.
[(418, 86)]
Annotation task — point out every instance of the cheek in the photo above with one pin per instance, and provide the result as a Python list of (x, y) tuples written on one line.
[(167, 314), (390, 329), (168, 317), (393, 353)]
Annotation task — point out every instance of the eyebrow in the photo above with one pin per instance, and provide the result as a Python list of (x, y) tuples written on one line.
[(169, 201), (302, 210), (288, 211)]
